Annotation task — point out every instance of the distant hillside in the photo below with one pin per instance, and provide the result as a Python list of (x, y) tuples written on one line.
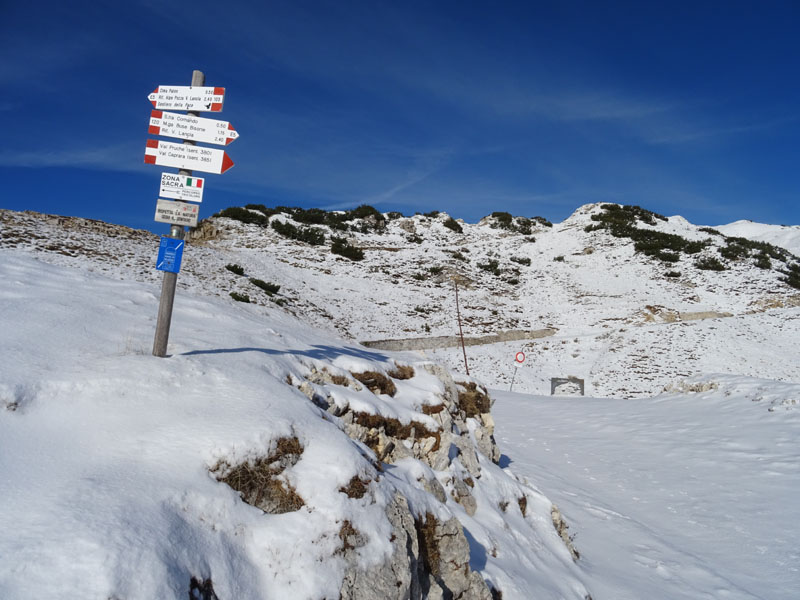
[(621, 297)]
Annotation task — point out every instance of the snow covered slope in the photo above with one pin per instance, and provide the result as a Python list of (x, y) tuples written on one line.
[(110, 459), (786, 236)]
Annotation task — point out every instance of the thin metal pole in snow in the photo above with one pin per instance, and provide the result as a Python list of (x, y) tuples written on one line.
[(460, 331), (171, 279), (511, 389)]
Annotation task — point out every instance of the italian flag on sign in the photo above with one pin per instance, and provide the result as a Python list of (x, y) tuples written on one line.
[(194, 182)]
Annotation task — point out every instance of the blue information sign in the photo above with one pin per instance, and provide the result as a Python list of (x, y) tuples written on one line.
[(170, 253)]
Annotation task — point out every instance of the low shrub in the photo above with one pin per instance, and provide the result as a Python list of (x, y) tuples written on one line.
[(521, 260), (559, 258), (709, 263), (240, 297), (672, 274), (244, 215), (310, 235), (234, 268), (542, 221), (431, 215), (269, 288), (401, 372), (493, 266), (435, 270), (762, 261), (458, 256), (473, 400), (414, 238), (792, 278), (451, 223), (342, 247)]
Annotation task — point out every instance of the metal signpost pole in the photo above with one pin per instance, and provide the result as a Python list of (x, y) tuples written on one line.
[(171, 279), (460, 331)]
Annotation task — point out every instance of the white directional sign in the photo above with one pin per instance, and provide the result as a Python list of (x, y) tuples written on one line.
[(177, 213), (182, 187), (189, 127), (186, 156), (185, 97)]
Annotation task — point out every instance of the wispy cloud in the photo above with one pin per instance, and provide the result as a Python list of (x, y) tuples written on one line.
[(116, 157)]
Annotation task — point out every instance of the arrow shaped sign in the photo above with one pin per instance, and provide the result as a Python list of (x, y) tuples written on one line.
[(178, 97), (189, 127), (186, 156)]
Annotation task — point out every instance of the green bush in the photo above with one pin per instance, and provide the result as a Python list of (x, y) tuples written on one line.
[(310, 235), (559, 258), (244, 215), (341, 247), (269, 288), (493, 266), (233, 268), (431, 215), (672, 274), (240, 297), (394, 215), (522, 261), (763, 262), (542, 221), (709, 263), (451, 223), (710, 230), (417, 239), (792, 276), (435, 270), (458, 256)]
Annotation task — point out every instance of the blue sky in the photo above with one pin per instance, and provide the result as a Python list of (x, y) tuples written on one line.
[(535, 108)]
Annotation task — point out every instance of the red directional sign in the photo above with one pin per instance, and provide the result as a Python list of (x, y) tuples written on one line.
[(182, 97), (189, 127), (186, 156)]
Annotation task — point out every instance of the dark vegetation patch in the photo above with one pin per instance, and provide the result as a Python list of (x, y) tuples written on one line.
[(257, 481), (491, 266), (672, 274), (377, 383), (342, 247), (337, 220), (234, 268), (451, 223), (310, 235), (244, 215), (432, 409), (521, 260), (709, 263), (473, 400), (240, 297), (349, 536), (269, 288), (522, 225), (792, 276)]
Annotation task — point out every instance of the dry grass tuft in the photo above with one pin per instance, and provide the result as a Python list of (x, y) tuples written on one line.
[(348, 534), (356, 488), (429, 544), (376, 382), (523, 505), (258, 483), (432, 409), (402, 372), (473, 401), (395, 429)]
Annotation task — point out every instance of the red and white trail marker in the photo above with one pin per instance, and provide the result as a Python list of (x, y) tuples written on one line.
[(186, 156), (189, 127), (520, 357), (186, 97)]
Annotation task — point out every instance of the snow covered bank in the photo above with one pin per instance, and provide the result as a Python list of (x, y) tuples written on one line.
[(108, 455)]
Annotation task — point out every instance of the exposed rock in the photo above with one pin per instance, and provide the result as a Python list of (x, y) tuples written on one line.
[(561, 527)]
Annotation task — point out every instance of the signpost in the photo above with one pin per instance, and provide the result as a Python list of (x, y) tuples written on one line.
[(176, 213), (188, 127), (193, 98), (181, 187), (187, 157)]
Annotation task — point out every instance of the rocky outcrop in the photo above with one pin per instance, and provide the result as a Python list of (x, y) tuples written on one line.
[(430, 560), (430, 557)]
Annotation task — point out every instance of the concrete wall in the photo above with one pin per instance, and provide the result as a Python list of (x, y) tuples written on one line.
[(449, 341)]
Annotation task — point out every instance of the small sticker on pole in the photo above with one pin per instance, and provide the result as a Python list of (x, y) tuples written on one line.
[(170, 253)]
